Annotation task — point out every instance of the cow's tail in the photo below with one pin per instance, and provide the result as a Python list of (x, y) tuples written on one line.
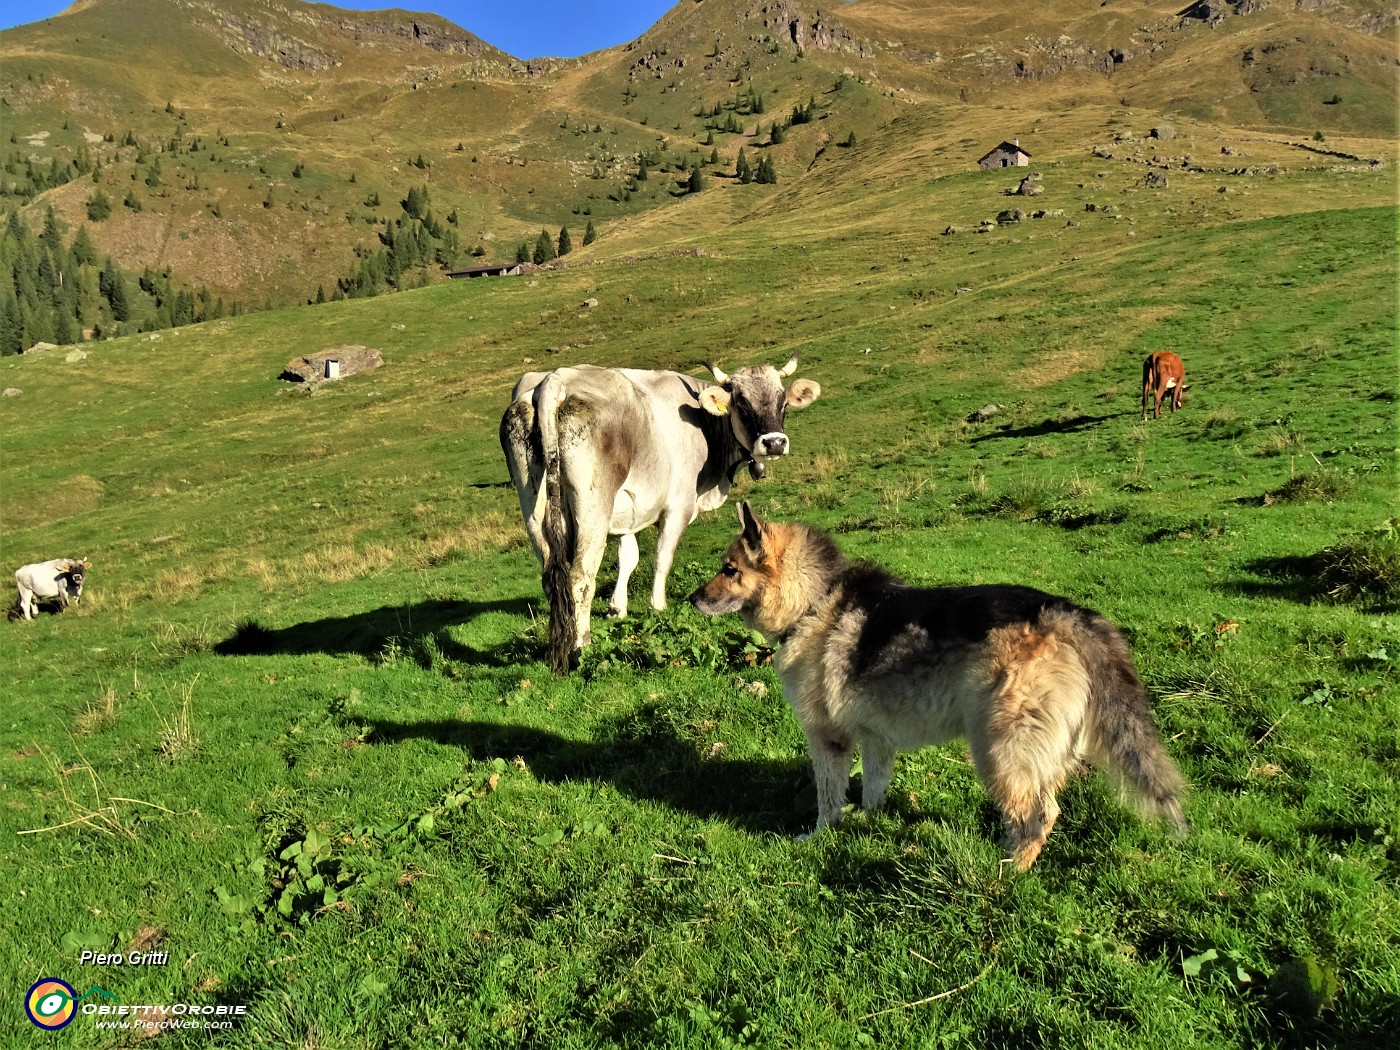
[(1147, 384), (1121, 733), (558, 532)]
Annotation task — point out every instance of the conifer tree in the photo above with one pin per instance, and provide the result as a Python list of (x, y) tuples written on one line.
[(589, 235), (99, 206), (83, 252), (566, 244), (544, 249), (742, 171)]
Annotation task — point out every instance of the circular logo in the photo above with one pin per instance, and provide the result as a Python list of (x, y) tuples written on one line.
[(50, 1003)]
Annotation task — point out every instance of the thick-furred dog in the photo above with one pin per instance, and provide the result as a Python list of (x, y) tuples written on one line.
[(1034, 682)]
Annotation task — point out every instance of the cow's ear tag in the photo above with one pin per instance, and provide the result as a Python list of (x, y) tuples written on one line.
[(715, 400)]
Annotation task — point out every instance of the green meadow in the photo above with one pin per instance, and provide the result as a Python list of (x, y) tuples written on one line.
[(300, 734)]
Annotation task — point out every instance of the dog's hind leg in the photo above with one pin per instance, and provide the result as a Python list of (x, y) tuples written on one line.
[(877, 767), (1023, 773), (1029, 817)]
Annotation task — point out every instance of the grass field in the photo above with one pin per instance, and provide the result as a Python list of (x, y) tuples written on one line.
[(300, 734)]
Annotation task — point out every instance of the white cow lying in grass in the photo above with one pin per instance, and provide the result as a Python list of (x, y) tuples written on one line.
[(61, 578)]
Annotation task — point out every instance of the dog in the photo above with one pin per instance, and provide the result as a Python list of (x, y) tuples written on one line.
[(1035, 683)]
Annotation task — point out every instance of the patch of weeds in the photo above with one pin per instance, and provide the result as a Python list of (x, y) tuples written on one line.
[(99, 714), (1282, 440), (728, 1025), (175, 641), (1026, 499), (1203, 528), (307, 877), (672, 637), (1319, 694), (1364, 568), (1192, 637), (310, 872), (177, 738), (1225, 424), (1318, 486), (1072, 514)]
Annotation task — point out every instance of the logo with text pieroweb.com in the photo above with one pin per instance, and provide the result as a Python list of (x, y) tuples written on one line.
[(52, 1004)]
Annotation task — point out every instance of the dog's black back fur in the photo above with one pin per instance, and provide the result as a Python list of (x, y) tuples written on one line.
[(905, 625)]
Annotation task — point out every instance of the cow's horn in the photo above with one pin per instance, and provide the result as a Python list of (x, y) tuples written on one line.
[(789, 368), (720, 375)]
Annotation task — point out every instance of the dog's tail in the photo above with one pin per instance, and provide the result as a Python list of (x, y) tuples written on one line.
[(558, 532), (1121, 734)]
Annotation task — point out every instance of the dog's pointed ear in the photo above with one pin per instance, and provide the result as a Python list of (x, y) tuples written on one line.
[(750, 528), (803, 392), (715, 400)]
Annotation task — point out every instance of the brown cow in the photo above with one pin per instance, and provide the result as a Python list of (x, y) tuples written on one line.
[(1162, 373)]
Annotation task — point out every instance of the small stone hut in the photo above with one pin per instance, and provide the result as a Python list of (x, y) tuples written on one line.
[(1006, 155)]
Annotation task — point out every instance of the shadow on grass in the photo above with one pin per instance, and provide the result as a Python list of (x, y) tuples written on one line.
[(1048, 426), (643, 758), (1293, 577), (420, 627)]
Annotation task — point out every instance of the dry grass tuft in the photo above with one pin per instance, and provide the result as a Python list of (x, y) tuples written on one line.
[(177, 738), (264, 572), (488, 533), (102, 813), (98, 715)]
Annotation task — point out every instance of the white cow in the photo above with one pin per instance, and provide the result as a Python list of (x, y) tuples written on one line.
[(61, 578), (599, 451)]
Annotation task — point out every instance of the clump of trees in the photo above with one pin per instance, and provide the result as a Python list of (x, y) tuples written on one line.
[(54, 290), (24, 178), (415, 241)]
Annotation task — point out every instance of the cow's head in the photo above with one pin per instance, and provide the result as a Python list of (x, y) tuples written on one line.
[(756, 404), (76, 568)]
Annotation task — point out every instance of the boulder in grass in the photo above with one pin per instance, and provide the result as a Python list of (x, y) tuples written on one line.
[(347, 360)]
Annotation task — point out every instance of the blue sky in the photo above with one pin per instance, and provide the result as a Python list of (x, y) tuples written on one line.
[(523, 28)]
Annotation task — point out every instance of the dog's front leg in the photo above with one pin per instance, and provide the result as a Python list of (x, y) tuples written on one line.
[(877, 767), (831, 765)]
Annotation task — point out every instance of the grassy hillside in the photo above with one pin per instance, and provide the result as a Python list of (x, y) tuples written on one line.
[(300, 734)]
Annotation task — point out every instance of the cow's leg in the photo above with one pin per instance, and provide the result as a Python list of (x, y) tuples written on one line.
[(1157, 411), (27, 605), (583, 577), (668, 538), (627, 556)]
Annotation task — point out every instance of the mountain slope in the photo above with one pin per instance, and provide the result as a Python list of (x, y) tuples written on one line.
[(261, 144)]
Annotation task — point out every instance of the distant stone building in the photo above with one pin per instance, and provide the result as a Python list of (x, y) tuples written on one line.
[(1006, 155), (500, 270)]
